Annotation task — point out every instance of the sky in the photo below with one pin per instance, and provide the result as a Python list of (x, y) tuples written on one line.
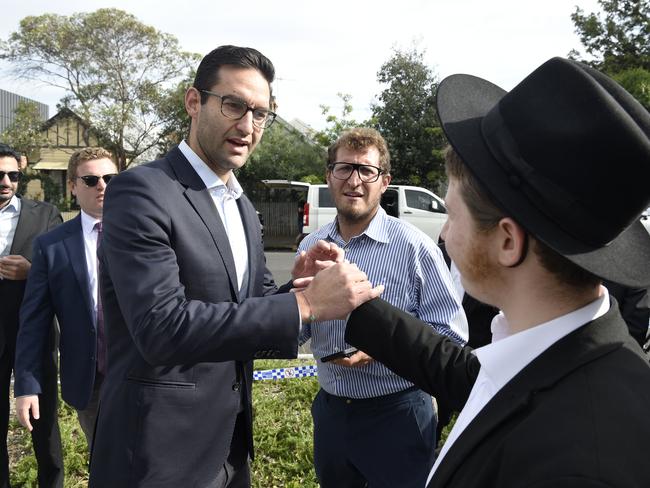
[(338, 46)]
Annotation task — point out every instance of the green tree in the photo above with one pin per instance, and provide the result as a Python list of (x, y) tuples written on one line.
[(25, 132), (116, 72), (284, 153), (336, 125), (405, 115), (617, 42), (175, 120)]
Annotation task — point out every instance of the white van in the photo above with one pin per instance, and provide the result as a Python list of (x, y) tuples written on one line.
[(416, 205)]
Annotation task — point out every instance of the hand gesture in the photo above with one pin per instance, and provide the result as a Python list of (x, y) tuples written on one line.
[(14, 267), (321, 255), (24, 405), (334, 292)]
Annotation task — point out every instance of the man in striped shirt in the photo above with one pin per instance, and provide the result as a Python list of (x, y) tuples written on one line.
[(370, 425)]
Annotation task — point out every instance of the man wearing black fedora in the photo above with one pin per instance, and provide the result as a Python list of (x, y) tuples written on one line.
[(561, 396)]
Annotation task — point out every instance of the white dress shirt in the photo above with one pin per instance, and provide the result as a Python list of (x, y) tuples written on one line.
[(9, 215), (90, 236), (509, 353), (224, 196)]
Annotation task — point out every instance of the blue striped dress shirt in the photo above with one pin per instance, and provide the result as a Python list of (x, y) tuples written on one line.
[(410, 265)]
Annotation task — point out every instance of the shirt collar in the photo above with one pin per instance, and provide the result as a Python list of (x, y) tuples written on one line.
[(13, 206), (377, 229), (504, 358), (210, 178), (88, 223)]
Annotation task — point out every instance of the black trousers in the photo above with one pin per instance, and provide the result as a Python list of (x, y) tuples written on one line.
[(46, 438), (235, 472)]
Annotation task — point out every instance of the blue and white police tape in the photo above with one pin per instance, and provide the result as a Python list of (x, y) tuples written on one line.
[(282, 373)]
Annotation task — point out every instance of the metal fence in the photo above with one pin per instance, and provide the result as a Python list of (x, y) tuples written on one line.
[(280, 223)]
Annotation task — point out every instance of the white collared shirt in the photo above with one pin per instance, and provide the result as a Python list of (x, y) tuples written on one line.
[(508, 354), (9, 215), (90, 235), (225, 198)]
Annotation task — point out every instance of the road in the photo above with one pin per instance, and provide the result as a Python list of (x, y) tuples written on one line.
[(280, 264)]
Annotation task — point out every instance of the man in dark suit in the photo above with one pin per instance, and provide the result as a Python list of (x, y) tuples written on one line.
[(560, 398), (63, 281), (188, 300), (21, 220)]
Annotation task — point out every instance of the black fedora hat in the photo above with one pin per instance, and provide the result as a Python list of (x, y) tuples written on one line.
[(566, 153)]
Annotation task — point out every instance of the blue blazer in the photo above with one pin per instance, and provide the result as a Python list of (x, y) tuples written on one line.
[(57, 285)]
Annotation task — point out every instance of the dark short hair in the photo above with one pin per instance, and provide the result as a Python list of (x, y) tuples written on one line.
[(8, 151), (207, 74), (360, 139), (487, 215), (80, 156)]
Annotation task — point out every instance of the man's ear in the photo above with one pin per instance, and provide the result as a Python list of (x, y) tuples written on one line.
[(72, 185), (513, 242), (385, 182), (192, 102)]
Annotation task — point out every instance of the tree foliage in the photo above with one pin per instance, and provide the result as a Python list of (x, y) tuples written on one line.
[(117, 72), (405, 115), (284, 153), (618, 38), (336, 125), (25, 133), (617, 42)]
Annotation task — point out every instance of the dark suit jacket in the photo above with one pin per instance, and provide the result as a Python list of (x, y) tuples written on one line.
[(34, 219), (634, 304), (577, 416), (180, 338), (58, 285)]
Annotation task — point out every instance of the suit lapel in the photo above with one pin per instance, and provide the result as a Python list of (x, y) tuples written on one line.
[(74, 246), (585, 344), (28, 221), (199, 197)]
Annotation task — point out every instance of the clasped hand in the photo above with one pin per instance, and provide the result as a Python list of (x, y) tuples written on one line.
[(332, 286)]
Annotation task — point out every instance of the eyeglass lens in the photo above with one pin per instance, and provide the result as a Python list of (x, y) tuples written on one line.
[(366, 173), (236, 109), (14, 176), (92, 180)]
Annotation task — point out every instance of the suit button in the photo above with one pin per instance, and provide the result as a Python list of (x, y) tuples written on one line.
[(236, 386)]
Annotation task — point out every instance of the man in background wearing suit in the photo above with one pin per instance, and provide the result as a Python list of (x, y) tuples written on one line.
[(560, 397), (21, 220), (63, 281), (188, 300)]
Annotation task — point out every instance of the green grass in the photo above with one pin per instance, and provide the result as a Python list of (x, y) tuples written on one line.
[(75, 452), (282, 430)]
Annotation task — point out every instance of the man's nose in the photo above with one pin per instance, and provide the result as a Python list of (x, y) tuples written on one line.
[(101, 184), (355, 179), (245, 124)]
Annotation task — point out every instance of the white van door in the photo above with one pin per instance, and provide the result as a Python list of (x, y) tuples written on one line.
[(424, 210)]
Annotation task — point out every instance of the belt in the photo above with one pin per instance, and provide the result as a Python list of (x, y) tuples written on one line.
[(368, 401)]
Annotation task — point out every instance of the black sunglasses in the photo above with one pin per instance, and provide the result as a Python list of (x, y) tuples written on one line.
[(14, 176), (92, 180)]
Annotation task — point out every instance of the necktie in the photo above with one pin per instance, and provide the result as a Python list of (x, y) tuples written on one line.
[(101, 342)]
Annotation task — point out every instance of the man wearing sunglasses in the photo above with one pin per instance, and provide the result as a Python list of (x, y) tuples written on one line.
[(63, 282), (188, 300), (21, 220), (370, 425)]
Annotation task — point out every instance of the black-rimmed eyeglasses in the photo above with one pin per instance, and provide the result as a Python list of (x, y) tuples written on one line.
[(366, 172), (235, 109), (14, 176), (91, 180)]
